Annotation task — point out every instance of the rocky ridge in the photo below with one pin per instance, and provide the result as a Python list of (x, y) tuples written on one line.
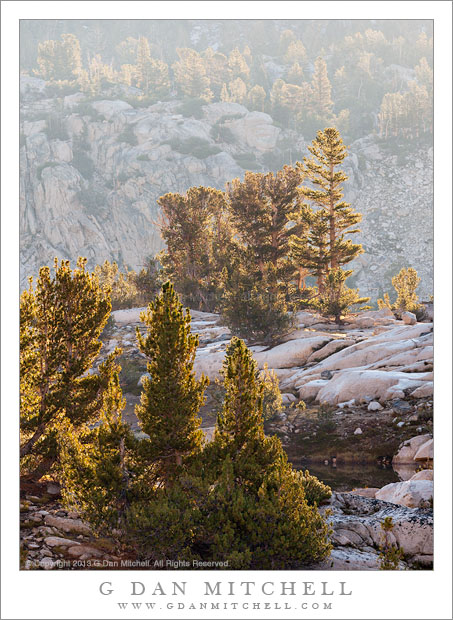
[(90, 181)]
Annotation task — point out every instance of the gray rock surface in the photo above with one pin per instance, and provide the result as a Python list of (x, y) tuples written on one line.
[(92, 190)]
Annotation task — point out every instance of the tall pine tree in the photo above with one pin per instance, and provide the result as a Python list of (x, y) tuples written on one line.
[(325, 194), (171, 396)]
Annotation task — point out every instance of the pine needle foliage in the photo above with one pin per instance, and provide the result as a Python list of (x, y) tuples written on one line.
[(61, 320), (336, 298), (257, 515), (171, 396), (97, 464), (325, 194)]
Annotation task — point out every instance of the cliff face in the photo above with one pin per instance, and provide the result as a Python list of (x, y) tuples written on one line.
[(91, 174)]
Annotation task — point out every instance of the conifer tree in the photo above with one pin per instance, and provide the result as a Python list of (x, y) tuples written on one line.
[(237, 91), (97, 465), (296, 53), (171, 396), (61, 321), (217, 70), (260, 207), (256, 98), (190, 75), (196, 231), (238, 66), (335, 298), (325, 193), (60, 60), (256, 513), (322, 103), (152, 74), (295, 75), (405, 284)]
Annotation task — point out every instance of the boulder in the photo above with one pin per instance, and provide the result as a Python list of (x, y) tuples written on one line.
[(47, 563), (292, 353), (411, 493), (409, 449), (310, 390), (377, 384), (329, 349), (424, 474), (348, 558), (425, 452), (214, 111), (79, 550), (409, 318), (427, 389), (365, 492), (57, 541), (67, 525), (375, 406), (358, 431), (256, 131), (378, 314), (209, 363), (358, 520), (364, 321), (287, 399), (110, 109)]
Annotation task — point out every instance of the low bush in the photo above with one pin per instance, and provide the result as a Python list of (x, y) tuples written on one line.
[(192, 108), (128, 136), (83, 163)]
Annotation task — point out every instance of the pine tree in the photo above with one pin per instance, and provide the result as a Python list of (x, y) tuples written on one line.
[(122, 285), (260, 207), (97, 465), (253, 303), (152, 74), (237, 91), (295, 75), (322, 101), (336, 298), (256, 98), (61, 321), (217, 70), (405, 284), (296, 52), (325, 193), (190, 75), (60, 60), (238, 66), (171, 396), (256, 515), (196, 231)]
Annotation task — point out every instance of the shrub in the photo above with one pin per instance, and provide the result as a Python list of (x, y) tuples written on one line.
[(336, 298), (197, 147), (56, 128), (315, 490), (39, 169), (83, 163), (390, 555), (405, 284), (247, 161), (128, 136), (84, 108), (92, 199), (272, 397), (192, 108)]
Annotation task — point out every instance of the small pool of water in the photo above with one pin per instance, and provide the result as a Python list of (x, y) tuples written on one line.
[(345, 477)]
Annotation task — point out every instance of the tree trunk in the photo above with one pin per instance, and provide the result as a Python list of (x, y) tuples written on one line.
[(28, 446)]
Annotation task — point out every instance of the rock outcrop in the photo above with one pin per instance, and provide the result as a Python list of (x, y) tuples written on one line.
[(91, 172)]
